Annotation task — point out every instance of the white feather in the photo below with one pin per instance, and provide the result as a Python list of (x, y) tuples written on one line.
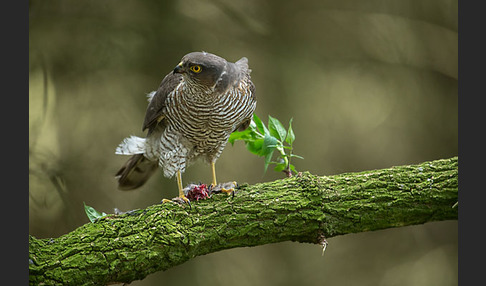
[(131, 145), (150, 95)]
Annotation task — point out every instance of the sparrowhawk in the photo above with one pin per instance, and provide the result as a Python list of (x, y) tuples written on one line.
[(191, 115)]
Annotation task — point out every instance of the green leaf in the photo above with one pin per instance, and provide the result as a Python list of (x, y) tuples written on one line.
[(280, 167), (269, 144), (234, 136), (293, 168), (259, 124), (240, 135), (253, 128), (296, 156), (276, 128), (290, 138), (268, 160), (255, 146), (92, 214)]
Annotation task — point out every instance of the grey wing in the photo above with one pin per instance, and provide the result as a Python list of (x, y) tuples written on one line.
[(156, 109), (247, 122)]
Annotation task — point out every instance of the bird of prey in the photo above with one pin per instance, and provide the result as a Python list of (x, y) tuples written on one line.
[(191, 115)]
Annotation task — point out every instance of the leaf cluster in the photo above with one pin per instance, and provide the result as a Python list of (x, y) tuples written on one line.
[(263, 141)]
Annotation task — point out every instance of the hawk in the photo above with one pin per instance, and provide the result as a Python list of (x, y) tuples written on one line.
[(191, 115)]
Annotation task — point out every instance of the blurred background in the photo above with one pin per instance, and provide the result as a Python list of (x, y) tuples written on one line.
[(369, 85)]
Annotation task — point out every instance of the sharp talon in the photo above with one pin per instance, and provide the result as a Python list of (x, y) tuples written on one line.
[(182, 200), (178, 200), (228, 191), (228, 188), (231, 188)]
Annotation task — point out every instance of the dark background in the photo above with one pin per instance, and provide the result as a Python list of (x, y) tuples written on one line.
[(369, 84)]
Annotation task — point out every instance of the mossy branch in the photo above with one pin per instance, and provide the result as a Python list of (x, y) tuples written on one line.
[(303, 208)]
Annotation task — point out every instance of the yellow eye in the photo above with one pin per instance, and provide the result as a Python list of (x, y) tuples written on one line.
[(196, 68)]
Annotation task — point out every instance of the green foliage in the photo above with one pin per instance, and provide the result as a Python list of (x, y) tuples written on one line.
[(93, 214), (263, 141)]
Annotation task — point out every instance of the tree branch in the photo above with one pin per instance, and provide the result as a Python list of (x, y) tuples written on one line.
[(303, 208)]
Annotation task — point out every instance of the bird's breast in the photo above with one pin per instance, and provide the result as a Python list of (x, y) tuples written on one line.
[(201, 122), (205, 121)]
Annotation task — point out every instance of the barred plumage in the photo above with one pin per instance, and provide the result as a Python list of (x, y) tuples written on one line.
[(190, 116)]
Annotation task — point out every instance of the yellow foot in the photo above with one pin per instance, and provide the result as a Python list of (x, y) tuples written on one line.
[(180, 200), (228, 188)]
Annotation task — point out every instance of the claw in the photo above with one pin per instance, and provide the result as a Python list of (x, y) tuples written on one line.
[(179, 200), (227, 191), (228, 188)]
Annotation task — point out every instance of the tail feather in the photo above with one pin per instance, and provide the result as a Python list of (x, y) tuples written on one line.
[(135, 172), (131, 146)]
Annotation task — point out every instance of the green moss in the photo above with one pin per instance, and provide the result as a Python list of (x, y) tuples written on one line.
[(128, 247)]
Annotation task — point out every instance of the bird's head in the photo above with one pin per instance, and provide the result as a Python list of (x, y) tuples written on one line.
[(205, 71)]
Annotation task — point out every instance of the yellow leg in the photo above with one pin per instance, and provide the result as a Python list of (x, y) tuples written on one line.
[(213, 168), (226, 187), (181, 192), (179, 184)]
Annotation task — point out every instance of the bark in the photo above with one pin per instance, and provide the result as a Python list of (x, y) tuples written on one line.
[(303, 208)]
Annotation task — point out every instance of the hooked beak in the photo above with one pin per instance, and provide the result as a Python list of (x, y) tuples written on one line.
[(178, 68)]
